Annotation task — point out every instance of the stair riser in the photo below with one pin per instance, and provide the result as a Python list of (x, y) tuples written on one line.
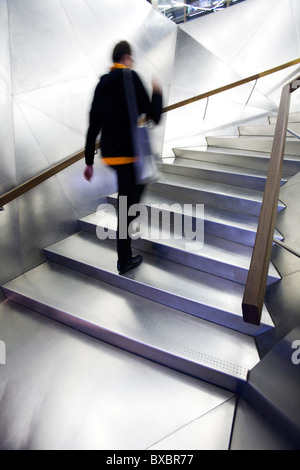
[(150, 352)]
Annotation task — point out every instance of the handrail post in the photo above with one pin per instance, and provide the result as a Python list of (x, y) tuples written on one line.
[(257, 277)]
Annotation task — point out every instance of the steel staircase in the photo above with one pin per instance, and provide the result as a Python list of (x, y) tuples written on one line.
[(181, 307)]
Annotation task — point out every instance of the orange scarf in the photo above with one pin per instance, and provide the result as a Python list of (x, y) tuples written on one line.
[(118, 66)]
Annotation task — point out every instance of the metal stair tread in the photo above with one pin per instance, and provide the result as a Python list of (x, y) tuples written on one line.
[(264, 130), (214, 248), (254, 142), (165, 279), (293, 117), (135, 323), (211, 149), (225, 172), (211, 213), (213, 167), (226, 190), (268, 138)]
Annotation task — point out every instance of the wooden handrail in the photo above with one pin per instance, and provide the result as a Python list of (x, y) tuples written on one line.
[(255, 289), (243, 81), (57, 168), (41, 177)]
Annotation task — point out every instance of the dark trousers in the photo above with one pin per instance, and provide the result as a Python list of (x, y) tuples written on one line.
[(126, 187)]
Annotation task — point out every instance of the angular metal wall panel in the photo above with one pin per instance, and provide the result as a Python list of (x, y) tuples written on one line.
[(4, 46), (11, 257), (92, 34), (67, 103), (8, 170), (45, 215), (56, 140), (44, 49), (224, 47), (52, 54), (54, 51), (29, 158)]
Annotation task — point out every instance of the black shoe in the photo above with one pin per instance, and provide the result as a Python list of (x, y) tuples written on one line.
[(133, 262)]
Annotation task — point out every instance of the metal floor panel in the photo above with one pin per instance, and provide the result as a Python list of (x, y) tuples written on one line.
[(138, 325), (64, 390), (201, 433), (197, 293)]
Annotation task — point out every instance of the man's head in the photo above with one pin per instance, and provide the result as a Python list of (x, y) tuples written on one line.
[(122, 53)]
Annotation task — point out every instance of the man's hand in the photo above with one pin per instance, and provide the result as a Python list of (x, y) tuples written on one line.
[(88, 172)]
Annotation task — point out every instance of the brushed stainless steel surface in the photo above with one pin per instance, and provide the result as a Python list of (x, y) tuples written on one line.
[(278, 371), (217, 424), (238, 157), (8, 170), (289, 223), (211, 193), (226, 174), (223, 60), (230, 225), (63, 390), (50, 64), (253, 432), (5, 78), (44, 144), (266, 130), (11, 260), (261, 144), (136, 324), (39, 59), (293, 118), (195, 292), (44, 215), (217, 256)]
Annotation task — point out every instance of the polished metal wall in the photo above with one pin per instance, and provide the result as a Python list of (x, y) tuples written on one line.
[(224, 47), (52, 53)]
